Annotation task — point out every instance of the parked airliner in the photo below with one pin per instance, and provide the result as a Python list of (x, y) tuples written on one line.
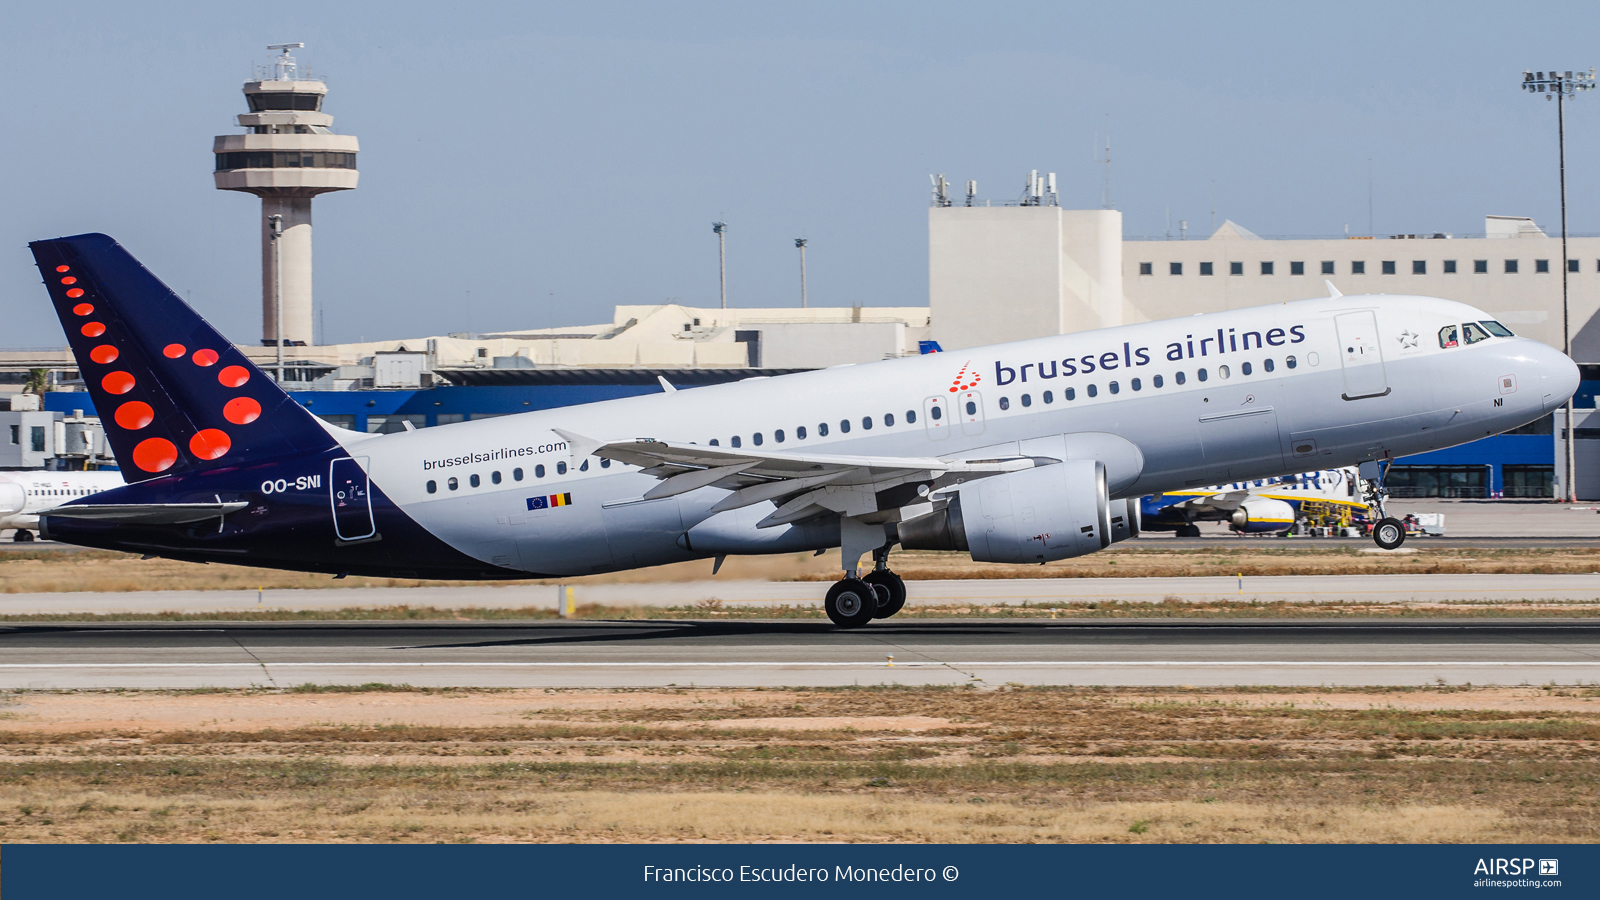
[(23, 493), (1020, 453)]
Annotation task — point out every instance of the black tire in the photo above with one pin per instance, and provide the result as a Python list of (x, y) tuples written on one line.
[(1189, 531), (891, 590), (850, 603), (22, 536), (1389, 533)]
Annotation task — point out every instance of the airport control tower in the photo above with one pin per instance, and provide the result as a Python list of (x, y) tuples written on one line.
[(287, 155)]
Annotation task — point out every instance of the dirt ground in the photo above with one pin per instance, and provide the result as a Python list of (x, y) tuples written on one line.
[(385, 763), (31, 571)]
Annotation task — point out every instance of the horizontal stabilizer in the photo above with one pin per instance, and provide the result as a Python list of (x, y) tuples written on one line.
[(146, 513)]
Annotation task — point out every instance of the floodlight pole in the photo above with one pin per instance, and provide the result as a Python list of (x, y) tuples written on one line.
[(801, 243), (722, 257), (1560, 85)]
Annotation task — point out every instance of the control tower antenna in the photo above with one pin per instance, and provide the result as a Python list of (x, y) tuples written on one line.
[(287, 155)]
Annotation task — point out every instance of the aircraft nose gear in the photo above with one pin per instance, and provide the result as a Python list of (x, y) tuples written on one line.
[(851, 603), (1390, 532)]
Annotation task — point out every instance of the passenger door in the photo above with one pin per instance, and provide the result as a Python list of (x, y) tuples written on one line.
[(350, 498), (1364, 374)]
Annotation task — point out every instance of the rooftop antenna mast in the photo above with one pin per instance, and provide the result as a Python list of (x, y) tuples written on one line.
[(941, 190), (1105, 197)]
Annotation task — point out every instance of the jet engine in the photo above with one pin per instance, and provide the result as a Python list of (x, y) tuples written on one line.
[(1257, 514), (12, 498), (1036, 515)]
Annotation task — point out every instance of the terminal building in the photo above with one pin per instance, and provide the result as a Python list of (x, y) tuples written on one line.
[(997, 271)]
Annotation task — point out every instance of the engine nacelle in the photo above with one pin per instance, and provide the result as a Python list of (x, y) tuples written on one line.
[(1126, 521), (13, 497), (1036, 515), (1258, 514)]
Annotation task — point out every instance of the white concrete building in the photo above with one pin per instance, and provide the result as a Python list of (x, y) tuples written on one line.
[(288, 155)]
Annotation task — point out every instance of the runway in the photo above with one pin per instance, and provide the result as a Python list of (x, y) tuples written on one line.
[(1013, 591), (788, 653)]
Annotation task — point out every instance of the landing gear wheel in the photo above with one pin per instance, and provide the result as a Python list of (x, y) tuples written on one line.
[(850, 603), (1188, 530), (22, 536), (891, 589), (1390, 533)]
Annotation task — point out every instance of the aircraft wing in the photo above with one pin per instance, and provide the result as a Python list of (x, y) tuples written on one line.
[(803, 484)]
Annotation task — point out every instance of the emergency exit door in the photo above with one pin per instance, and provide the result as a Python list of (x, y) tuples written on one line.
[(1364, 374), (350, 498)]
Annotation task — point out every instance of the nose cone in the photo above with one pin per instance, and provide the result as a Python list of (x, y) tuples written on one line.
[(1558, 376)]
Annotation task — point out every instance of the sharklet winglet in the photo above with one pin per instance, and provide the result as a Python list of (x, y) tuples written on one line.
[(1332, 291), (579, 445)]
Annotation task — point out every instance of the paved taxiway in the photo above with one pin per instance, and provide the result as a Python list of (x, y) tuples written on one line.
[(777, 653), (1015, 591)]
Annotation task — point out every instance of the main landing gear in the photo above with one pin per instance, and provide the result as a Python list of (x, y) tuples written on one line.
[(855, 600)]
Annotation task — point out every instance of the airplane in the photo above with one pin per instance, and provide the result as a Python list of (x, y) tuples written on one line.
[(24, 493), (1264, 505), (1021, 453)]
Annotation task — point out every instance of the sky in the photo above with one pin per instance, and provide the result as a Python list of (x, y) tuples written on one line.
[(529, 165)]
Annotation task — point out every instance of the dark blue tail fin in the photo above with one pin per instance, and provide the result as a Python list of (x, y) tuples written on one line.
[(173, 394)]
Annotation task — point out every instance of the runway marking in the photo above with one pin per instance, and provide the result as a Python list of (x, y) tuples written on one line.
[(818, 664)]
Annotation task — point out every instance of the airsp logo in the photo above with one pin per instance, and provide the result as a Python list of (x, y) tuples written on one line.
[(1549, 867), (1502, 866)]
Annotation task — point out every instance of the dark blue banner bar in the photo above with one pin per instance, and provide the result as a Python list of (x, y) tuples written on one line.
[(397, 872)]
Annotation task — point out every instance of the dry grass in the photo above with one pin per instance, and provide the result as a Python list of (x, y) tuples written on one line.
[(923, 764), (41, 571)]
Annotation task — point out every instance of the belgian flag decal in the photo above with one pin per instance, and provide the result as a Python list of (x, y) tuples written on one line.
[(549, 501)]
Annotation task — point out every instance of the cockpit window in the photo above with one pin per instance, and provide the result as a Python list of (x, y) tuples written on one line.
[(1447, 337), (1496, 329), (1474, 332)]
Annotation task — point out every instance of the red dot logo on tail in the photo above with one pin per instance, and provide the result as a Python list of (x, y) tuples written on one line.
[(174, 351), (83, 309), (118, 382), (209, 443), (205, 357), (75, 293), (93, 329), (104, 354), (233, 376), (241, 410), (155, 454), (134, 415), (69, 280)]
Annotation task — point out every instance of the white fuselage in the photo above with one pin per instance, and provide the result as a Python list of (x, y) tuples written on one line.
[(23, 492), (1208, 400)]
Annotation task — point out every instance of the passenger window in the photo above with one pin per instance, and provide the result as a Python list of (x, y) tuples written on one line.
[(1070, 394), (937, 413), (778, 435), (494, 477), (1222, 372), (561, 468), (1116, 388), (516, 474), (715, 442), (1048, 397), (452, 484), (800, 433), (1134, 383), (756, 439), (822, 429), (474, 480), (433, 487), (1094, 390), (538, 471), (1179, 378), (1027, 400), (1266, 364), (1005, 402), (866, 423), (972, 408), (1156, 380), (735, 442), (1447, 337), (1244, 368), (844, 426), (1290, 361), (888, 420), (1496, 329), (1474, 332), (605, 463), (911, 417), (584, 467), (1200, 374)]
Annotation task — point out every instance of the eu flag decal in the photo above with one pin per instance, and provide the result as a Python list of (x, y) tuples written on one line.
[(550, 501)]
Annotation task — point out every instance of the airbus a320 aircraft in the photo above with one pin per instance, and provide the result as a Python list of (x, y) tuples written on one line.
[(24, 493), (1018, 453)]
